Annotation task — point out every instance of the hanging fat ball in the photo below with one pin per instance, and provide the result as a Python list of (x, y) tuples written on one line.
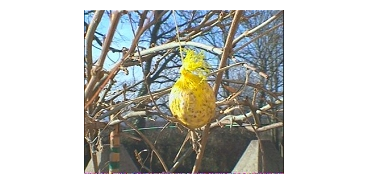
[(192, 100)]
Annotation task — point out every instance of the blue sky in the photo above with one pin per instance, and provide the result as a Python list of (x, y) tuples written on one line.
[(122, 38)]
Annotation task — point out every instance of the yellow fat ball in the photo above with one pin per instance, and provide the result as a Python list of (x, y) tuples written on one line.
[(191, 99)]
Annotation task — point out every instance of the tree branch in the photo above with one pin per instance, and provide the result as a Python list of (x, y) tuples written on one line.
[(258, 36), (89, 38), (246, 33), (105, 48), (227, 48), (150, 145), (230, 119), (116, 108)]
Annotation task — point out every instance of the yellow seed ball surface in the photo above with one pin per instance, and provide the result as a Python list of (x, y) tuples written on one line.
[(191, 99)]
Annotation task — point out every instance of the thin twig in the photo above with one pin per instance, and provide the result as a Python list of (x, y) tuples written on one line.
[(181, 159), (116, 108), (233, 96), (101, 99), (252, 68), (259, 87), (182, 146), (133, 114), (267, 127), (255, 38), (111, 98), (150, 145), (225, 68), (246, 33), (139, 159), (242, 118), (212, 24)]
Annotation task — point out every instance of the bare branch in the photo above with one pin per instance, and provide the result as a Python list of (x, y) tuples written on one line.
[(227, 48), (150, 144), (116, 108), (255, 38), (181, 159), (265, 128), (105, 48), (242, 118), (246, 33), (89, 38)]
